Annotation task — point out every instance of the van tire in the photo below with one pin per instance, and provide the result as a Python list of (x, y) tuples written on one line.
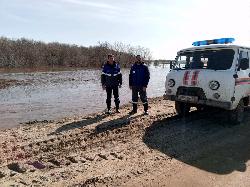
[(236, 116), (182, 108)]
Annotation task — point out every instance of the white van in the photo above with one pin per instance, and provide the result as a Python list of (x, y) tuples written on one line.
[(212, 73)]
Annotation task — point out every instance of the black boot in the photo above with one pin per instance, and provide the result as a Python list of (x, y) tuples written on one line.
[(134, 111), (108, 111), (145, 109), (108, 108), (117, 102), (117, 108)]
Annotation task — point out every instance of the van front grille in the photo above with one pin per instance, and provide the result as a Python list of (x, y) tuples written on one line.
[(191, 91)]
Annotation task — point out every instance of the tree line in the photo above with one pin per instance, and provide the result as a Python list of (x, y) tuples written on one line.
[(24, 53)]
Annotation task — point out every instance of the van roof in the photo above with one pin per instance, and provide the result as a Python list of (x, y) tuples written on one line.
[(213, 46)]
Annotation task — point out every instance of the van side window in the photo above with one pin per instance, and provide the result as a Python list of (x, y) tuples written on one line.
[(244, 54)]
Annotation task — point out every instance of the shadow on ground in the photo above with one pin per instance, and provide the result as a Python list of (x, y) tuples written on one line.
[(206, 144), (105, 126), (79, 124), (115, 124)]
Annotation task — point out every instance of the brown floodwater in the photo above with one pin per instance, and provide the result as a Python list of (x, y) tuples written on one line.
[(51, 95)]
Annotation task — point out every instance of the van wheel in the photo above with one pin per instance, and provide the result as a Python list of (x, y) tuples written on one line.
[(236, 116), (182, 108)]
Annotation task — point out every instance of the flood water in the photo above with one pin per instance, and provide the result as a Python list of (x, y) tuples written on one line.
[(54, 95)]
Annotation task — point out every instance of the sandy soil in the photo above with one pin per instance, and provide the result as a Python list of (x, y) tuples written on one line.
[(160, 149)]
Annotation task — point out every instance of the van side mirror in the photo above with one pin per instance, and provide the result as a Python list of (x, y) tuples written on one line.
[(171, 65), (244, 64)]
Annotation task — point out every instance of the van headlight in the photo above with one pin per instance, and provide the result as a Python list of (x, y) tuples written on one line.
[(214, 85), (171, 82)]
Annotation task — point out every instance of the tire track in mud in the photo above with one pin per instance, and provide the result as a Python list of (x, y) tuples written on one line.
[(63, 144), (208, 131), (94, 137), (90, 137), (84, 145)]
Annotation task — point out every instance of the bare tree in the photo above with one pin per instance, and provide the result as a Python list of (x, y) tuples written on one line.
[(30, 53)]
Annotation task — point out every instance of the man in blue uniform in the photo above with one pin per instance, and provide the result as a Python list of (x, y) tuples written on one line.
[(111, 80), (138, 81)]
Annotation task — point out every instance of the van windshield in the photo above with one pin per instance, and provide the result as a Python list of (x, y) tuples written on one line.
[(209, 59)]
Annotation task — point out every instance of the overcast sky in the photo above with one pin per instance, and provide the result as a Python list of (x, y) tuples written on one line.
[(163, 26)]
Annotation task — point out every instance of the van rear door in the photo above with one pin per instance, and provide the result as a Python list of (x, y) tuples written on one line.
[(242, 82)]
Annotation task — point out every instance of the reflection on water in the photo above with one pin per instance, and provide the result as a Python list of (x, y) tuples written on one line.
[(53, 95)]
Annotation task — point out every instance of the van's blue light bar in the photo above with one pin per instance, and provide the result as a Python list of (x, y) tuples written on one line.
[(214, 41)]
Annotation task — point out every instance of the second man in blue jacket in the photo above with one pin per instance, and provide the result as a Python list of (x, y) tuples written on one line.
[(138, 81)]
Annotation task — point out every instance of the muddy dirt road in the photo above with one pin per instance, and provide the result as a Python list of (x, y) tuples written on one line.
[(161, 149)]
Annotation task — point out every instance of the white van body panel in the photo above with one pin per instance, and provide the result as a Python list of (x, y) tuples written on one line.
[(234, 84)]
